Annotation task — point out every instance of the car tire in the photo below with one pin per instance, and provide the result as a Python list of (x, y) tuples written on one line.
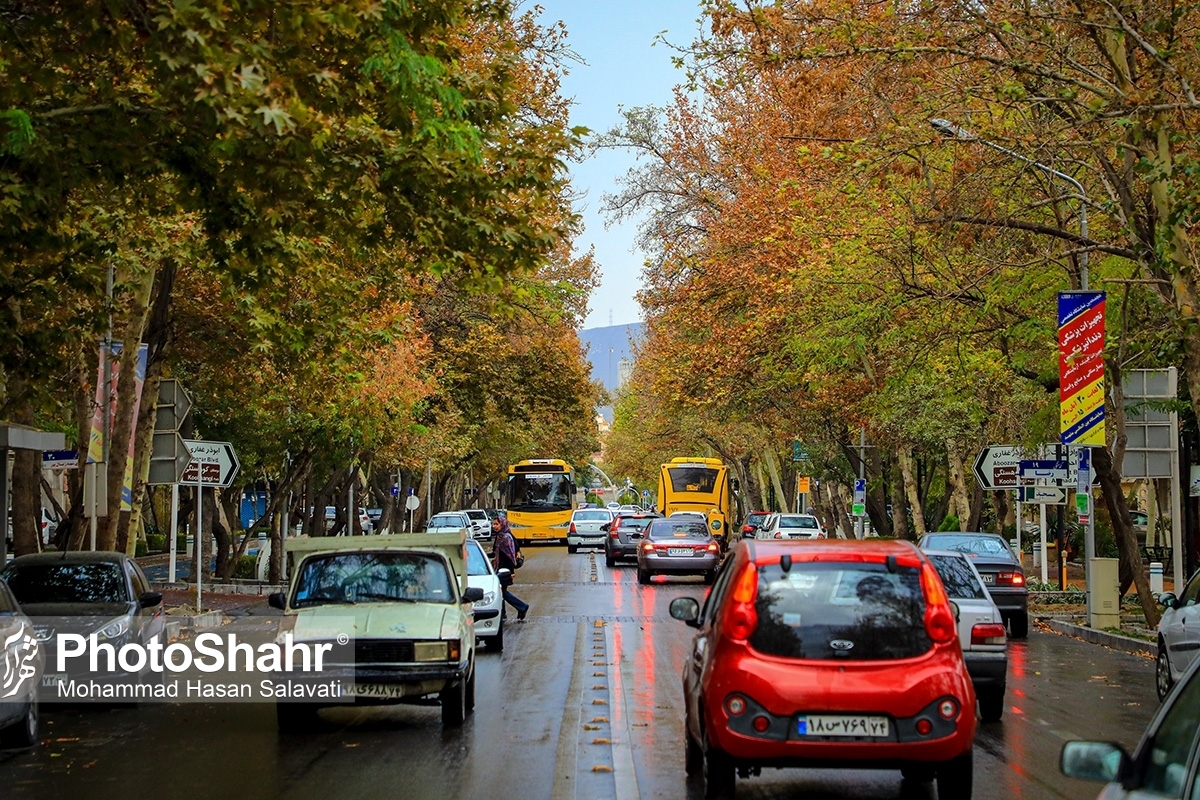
[(24, 732), (471, 692), (991, 707), (709, 577), (572, 549), (719, 776), (454, 704), (693, 758), (917, 774), (1019, 625), (643, 576), (1163, 682), (496, 642), (609, 561), (954, 778), (296, 717)]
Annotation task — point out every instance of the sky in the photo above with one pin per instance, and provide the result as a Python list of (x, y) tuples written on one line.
[(624, 67)]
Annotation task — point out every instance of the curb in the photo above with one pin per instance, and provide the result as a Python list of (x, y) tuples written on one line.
[(1125, 644)]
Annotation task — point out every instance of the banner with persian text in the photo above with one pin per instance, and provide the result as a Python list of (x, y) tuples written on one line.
[(1081, 368)]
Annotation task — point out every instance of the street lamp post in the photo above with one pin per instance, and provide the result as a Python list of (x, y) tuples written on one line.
[(949, 129)]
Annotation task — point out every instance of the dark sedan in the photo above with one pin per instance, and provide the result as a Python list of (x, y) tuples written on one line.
[(84, 593), (624, 534), (678, 546), (1000, 569)]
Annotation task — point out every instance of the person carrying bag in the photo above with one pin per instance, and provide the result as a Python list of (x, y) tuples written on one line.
[(506, 558)]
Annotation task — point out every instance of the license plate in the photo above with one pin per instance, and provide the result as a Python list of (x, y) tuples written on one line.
[(680, 551), (842, 725), (377, 690), (53, 678), (987, 577)]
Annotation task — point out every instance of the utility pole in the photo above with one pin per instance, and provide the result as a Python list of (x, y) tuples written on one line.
[(862, 477)]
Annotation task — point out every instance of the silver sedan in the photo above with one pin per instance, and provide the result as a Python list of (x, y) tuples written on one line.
[(678, 546)]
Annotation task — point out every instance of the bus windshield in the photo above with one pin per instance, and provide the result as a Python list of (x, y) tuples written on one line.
[(693, 479), (539, 492)]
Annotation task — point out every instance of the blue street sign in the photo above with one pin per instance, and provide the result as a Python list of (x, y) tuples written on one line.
[(395, 491)]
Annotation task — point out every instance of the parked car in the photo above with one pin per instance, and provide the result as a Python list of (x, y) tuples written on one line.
[(587, 528), (790, 526), (1000, 569), (624, 534), (364, 520), (1161, 766), (481, 523), (1178, 635), (449, 522), (87, 593), (489, 610), (678, 545), (832, 654), (18, 648), (375, 515), (495, 513), (752, 521), (980, 630), (409, 602)]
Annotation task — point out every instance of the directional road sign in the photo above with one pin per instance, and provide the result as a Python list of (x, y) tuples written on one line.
[(1046, 472), (172, 407), (213, 463), (999, 465)]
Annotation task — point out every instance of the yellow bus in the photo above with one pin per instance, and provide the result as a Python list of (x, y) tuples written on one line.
[(697, 484), (539, 496)]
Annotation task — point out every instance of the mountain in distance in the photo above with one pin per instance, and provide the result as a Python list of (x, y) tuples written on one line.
[(606, 347)]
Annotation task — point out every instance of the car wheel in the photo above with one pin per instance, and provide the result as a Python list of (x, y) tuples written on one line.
[(643, 576), (954, 778), (296, 717), (609, 561), (917, 774), (572, 549), (693, 759), (24, 732), (1162, 672), (496, 642), (719, 776), (471, 692), (710, 576), (1019, 625), (454, 704), (991, 707)]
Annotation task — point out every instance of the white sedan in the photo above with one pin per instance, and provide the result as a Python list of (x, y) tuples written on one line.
[(790, 526), (489, 622), (1178, 635)]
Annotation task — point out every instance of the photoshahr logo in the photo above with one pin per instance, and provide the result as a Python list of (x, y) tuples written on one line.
[(20, 662)]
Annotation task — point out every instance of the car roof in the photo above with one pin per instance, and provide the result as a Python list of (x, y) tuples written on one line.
[(74, 557), (830, 549)]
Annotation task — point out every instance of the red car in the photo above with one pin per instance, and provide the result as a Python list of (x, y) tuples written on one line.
[(832, 653)]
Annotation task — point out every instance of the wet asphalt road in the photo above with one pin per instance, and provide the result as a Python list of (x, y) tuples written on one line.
[(584, 702)]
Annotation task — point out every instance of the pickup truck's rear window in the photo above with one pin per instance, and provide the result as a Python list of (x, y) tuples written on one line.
[(828, 610), (356, 577)]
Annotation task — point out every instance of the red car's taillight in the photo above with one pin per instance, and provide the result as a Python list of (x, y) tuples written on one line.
[(647, 547), (743, 617), (1010, 578), (988, 633), (939, 619), (713, 547)]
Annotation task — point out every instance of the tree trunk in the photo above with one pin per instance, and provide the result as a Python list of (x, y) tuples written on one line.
[(899, 504), (877, 496), (974, 519), (905, 457), (960, 503), (772, 464), (1110, 482), (26, 499)]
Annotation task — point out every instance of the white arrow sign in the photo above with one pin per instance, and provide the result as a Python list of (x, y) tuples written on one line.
[(1043, 495), (213, 463)]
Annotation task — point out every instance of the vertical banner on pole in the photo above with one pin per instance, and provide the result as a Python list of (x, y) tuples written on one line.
[(1081, 368)]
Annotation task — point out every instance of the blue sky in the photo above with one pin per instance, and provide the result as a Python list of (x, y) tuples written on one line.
[(624, 68)]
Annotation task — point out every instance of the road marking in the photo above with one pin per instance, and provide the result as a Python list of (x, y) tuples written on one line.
[(625, 775)]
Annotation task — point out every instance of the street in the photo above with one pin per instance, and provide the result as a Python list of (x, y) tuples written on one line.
[(584, 702)]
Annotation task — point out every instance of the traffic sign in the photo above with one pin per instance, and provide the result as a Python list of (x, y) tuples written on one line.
[(395, 491), (999, 465), (169, 458), (1046, 471), (1042, 495), (412, 502), (800, 452), (859, 507), (213, 463), (60, 459), (173, 406)]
